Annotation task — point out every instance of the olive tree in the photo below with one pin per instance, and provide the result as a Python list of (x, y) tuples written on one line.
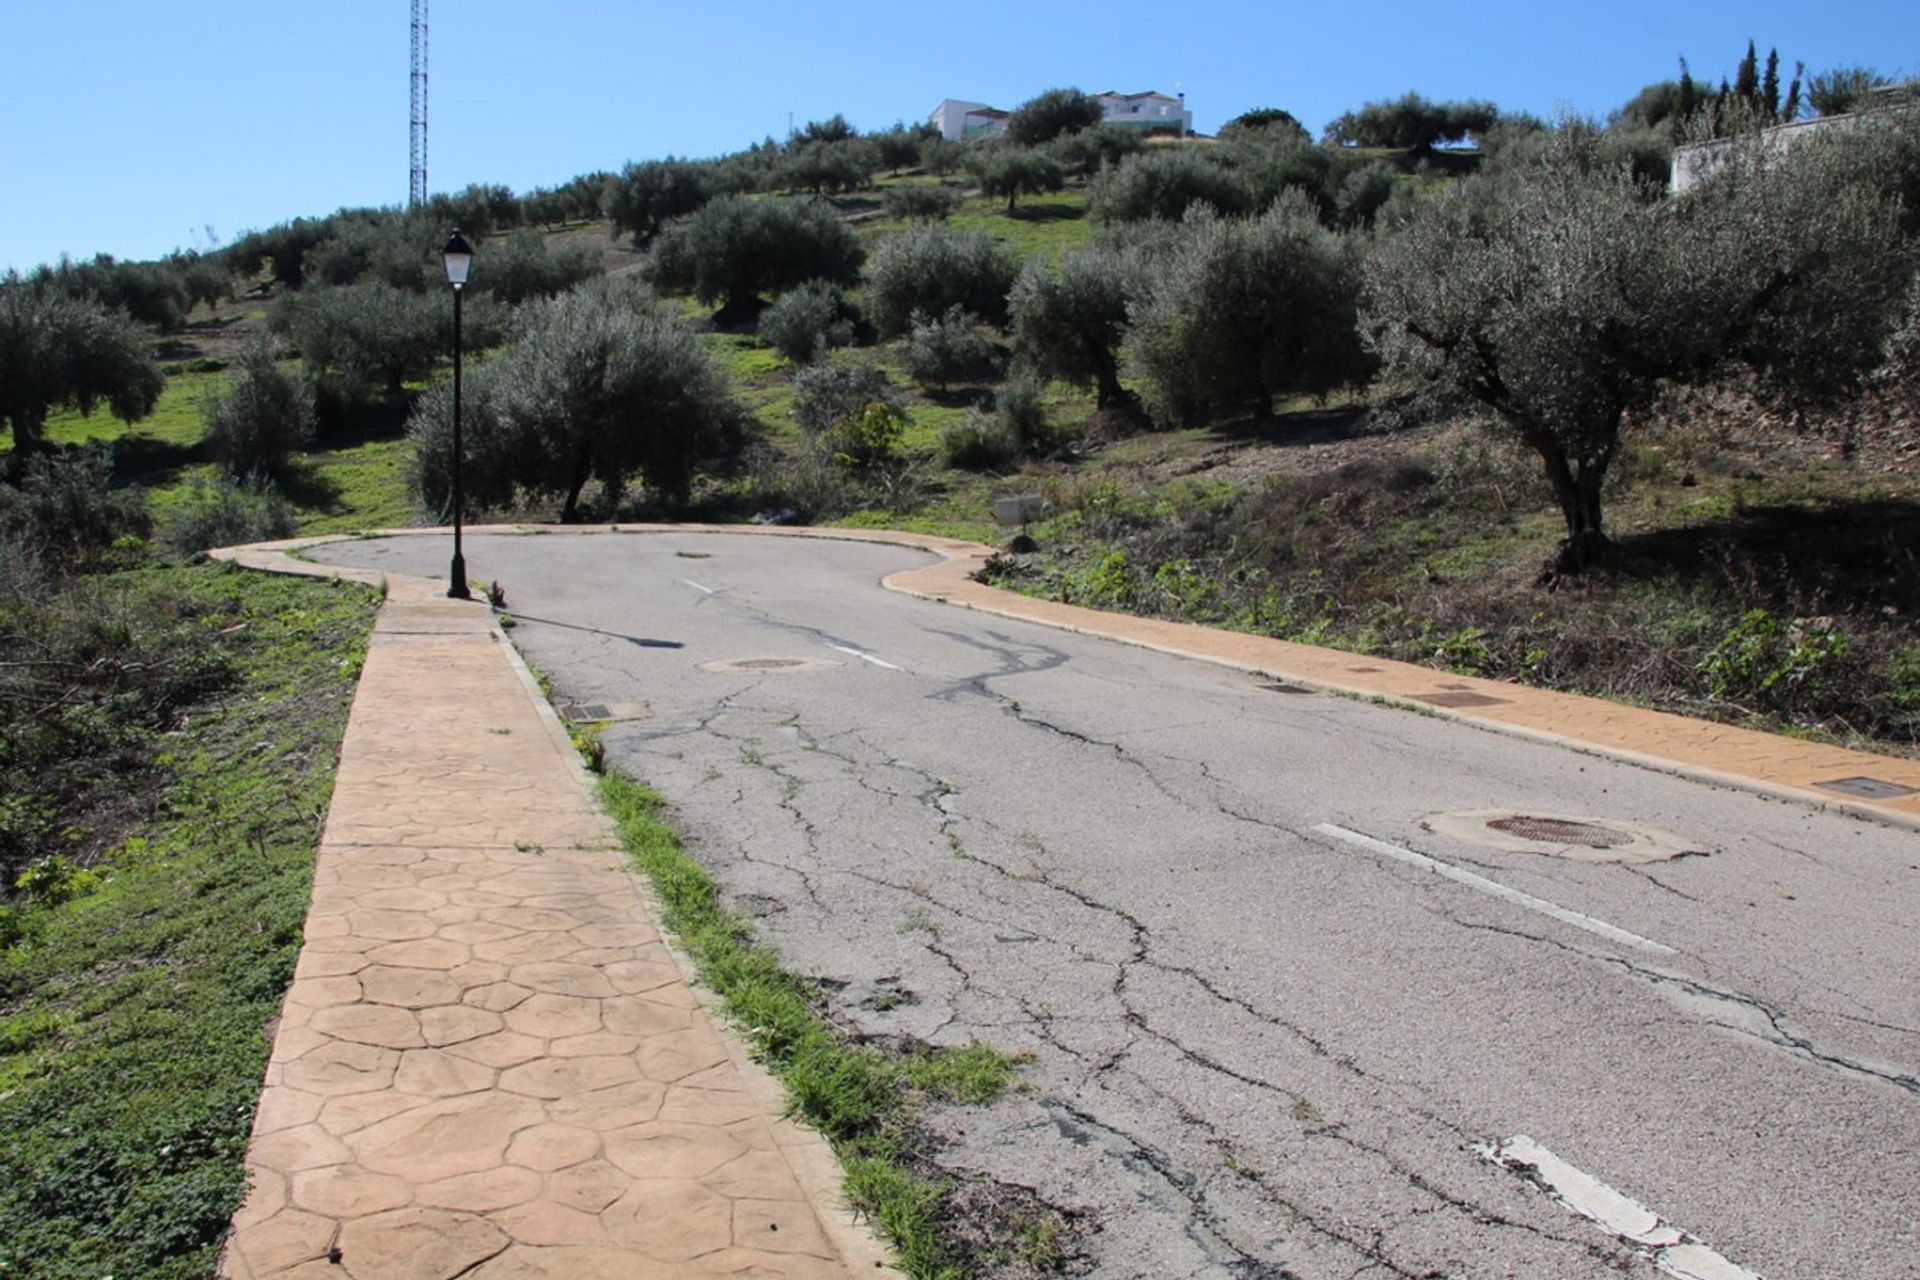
[(1041, 119), (1248, 310), (1068, 322), (930, 269), (57, 352), (603, 385), (1163, 184), (1016, 171), (1561, 296), (263, 416), (736, 249), (645, 197)]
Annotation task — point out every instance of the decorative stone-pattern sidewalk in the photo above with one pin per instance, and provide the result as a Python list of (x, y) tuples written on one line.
[(489, 1065)]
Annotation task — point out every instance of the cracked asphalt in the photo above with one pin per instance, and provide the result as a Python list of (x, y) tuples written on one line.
[(1258, 1051)]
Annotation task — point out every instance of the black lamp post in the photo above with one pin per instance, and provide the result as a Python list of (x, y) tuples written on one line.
[(458, 256)]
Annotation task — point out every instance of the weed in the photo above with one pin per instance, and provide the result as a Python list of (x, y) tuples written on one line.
[(861, 1099)]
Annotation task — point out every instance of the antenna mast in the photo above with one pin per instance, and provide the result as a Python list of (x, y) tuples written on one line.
[(417, 177)]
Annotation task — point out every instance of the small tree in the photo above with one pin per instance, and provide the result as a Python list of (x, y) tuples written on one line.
[(1016, 171), (604, 385), (948, 348), (1842, 89), (1091, 150), (919, 201), (522, 266), (1247, 311), (1562, 298), (1269, 121), (645, 197), (836, 391), (803, 324), (1041, 119), (58, 352), (1412, 123), (372, 336), (898, 148), (929, 269), (1068, 323), (263, 417), (1163, 184), (736, 249), (941, 156)]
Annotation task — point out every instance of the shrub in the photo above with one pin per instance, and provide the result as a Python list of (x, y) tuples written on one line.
[(803, 323), (522, 266), (930, 269), (1163, 184), (1091, 150), (978, 442), (947, 348), (263, 417), (227, 512), (1043, 118), (66, 510), (1021, 406), (920, 201), (736, 249), (645, 197), (833, 391)]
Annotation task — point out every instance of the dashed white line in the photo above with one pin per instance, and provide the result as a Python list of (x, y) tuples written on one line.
[(1672, 1250), (697, 587), (1495, 888), (863, 655)]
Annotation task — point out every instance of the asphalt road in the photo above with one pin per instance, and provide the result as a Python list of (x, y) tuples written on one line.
[(1279, 1026)]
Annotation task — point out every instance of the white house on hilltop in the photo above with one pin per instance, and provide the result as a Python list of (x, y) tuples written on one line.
[(962, 121)]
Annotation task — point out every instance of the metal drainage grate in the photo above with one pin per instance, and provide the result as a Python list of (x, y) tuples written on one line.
[(1868, 788), (588, 712), (1559, 831), (1460, 700), (1282, 688)]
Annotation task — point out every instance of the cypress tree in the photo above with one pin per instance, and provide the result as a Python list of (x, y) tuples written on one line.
[(1791, 112), (1746, 81), (1770, 86), (1689, 101)]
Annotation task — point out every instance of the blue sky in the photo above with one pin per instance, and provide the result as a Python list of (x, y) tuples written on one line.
[(136, 126)]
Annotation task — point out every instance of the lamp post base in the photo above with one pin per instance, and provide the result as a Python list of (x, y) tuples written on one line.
[(457, 586)]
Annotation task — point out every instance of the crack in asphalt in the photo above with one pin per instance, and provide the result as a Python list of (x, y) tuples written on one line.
[(1776, 1035)]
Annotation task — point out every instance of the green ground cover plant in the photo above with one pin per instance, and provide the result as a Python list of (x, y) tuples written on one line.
[(147, 950)]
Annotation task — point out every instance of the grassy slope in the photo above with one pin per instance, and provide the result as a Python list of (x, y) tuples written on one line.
[(134, 1021)]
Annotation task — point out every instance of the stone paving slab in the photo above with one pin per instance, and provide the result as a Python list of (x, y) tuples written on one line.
[(489, 1064)]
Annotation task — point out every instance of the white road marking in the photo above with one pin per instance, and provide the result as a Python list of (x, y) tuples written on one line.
[(697, 587), (1493, 887), (863, 655), (1671, 1249)]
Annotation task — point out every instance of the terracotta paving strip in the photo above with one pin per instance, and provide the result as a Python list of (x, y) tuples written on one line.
[(489, 1064)]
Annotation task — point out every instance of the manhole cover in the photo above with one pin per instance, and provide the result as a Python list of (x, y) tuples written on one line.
[(760, 666), (1561, 836), (1559, 831), (1867, 788)]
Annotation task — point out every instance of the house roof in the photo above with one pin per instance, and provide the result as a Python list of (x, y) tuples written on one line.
[(1130, 97)]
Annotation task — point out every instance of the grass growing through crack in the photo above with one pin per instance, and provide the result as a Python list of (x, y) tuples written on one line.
[(861, 1099)]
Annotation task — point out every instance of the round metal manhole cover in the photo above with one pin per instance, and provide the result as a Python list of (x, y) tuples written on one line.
[(1560, 836), (764, 666), (1559, 831)]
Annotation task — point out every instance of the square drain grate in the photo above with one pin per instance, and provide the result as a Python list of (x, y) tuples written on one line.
[(588, 712), (1282, 687), (1460, 700), (1867, 788)]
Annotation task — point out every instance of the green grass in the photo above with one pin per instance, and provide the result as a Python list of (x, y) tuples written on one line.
[(177, 419), (133, 1020), (861, 1099)]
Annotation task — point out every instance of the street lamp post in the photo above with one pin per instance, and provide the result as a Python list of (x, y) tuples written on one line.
[(458, 257)]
